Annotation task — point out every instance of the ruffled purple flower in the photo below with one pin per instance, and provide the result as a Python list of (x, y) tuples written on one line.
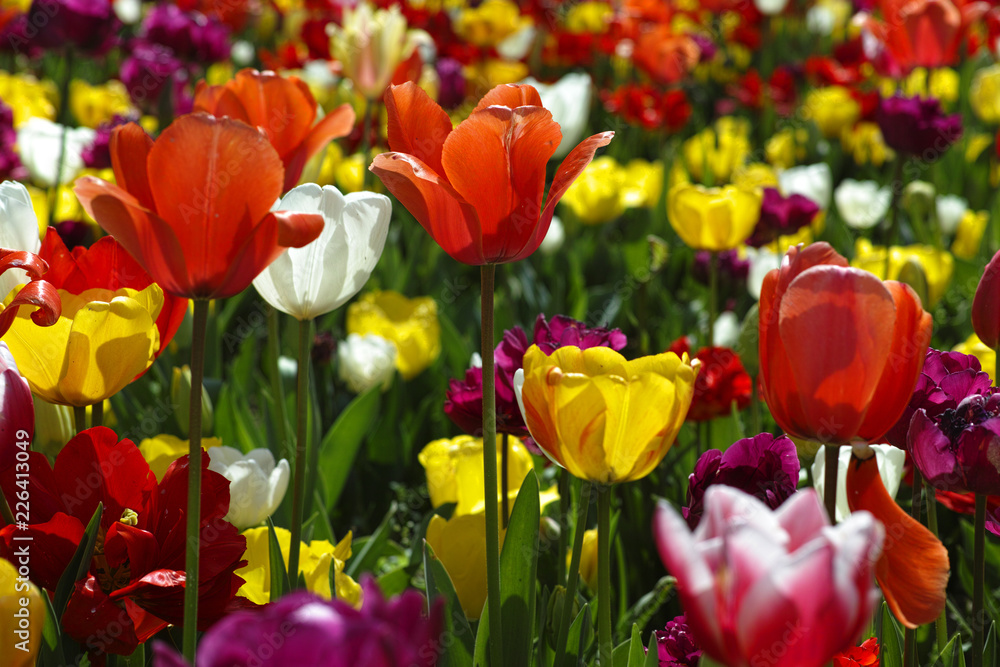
[(148, 69), (781, 216), (563, 331), (190, 35), (304, 630), (452, 90), (676, 646), (11, 167), (75, 233), (763, 466), (918, 126), (98, 154), (87, 25)]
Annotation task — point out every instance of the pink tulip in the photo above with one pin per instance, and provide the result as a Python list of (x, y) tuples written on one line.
[(17, 411), (778, 588)]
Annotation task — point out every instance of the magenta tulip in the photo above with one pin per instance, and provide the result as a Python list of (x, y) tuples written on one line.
[(17, 411)]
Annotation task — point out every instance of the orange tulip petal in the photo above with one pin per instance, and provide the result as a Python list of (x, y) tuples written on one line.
[(449, 219), (910, 338), (281, 107), (219, 101), (36, 293), (336, 124), (913, 568), (836, 328), (510, 95), (130, 146), (417, 125), (215, 178)]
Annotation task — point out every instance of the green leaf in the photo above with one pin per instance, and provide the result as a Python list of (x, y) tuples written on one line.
[(518, 568), (392, 582), (653, 653), (990, 649), (705, 661), (341, 443), (372, 550), (50, 631), (279, 574), (636, 653), (580, 637), (456, 653), (619, 655), (891, 640), (947, 655), (79, 564)]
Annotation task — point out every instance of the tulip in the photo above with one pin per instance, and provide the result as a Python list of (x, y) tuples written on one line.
[(17, 411), (317, 558), (40, 143), (751, 579), (918, 126), (935, 266), (924, 33), (162, 450), (320, 277), (675, 646), (190, 35), (54, 427), (588, 559), (950, 211), (101, 341), (862, 204), (93, 106), (986, 355), (781, 216), (984, 94), (563, 331), (762, 262), (717, 152), (569, 101), (366, 361), (722, 381), (665, 55), (308, 631), (604, 419), (969, 235), (22, 617), (460, 544), (986, 305), (256, 484), (814, 181), (411, 324), (840, 350), (197, 241), (284, 109), (554, 238), (480, 198), (865, 654), (455, 471), (150, 69), (713, 219), (890, 467), (19, 230), (832, 108), (596, 196), (83, 24)]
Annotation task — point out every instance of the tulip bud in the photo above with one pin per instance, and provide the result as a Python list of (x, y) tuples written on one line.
[(918, 199), (53, 427), (366, 361), (17, 415), (986, 304), (22, 617), (180, 396), (912, 273), (555, 612), (257, 484), (588, 559)]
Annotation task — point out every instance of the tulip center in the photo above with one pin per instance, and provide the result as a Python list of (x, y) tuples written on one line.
[(970, 412), (112, 578)]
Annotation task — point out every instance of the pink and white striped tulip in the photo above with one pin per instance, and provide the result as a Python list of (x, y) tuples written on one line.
[(779, 588)]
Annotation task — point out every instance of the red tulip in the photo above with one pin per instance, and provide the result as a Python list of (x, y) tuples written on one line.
[(477, 188), (36, 293), (106, 265), (986, 304), (283, 109), (925, 33), (193, 207), (840, 350)]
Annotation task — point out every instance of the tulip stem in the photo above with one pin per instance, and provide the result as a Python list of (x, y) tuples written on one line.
[(504, 481), (574, 573), (830, 481), (274, 352), (366, 132), (564, 503), (80, 417), (604, 576), (941, 624), (97, 414), (302, 406), (909, 636), (488, 272), (892, 232), (979, 572), (713, 296), (194, 481), (63, 120)]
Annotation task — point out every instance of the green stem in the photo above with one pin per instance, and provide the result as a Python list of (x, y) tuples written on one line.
[(302, 406), (892, 233), (754, 407), (312, 467), (713, 296), (604, 576), (909, 636), (574, 573), (366, 140), (97, 414), (80, 417), (941, 624), (979, 573), (62, 118), (488, 272), (564, 502), (830, 481), (505, 514), (277, 390), (194, 481)]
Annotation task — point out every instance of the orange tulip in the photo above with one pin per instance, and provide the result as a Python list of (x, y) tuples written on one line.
[(840, 350), (667, 56), (283, 108), (925, 33), (193, 207)]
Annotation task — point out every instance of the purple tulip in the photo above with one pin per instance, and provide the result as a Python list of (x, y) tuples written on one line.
[(98, 154), (17, 410), (781, 216), (676, 646), (452, 90), (304, 630), (190, 35), (147, 70), (88, 25), (763, 466), (564, 331), (11, 167), (733, 270), (917, 126)]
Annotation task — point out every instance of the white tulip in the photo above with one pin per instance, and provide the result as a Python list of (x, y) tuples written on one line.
[(726, 330), (569, 101), (128, 12), (814, 181), (762, 261), (820, 20), (770, 7), (890, 468), (366, 361), (554, 237), (18, 230), (256, 485), (517, 45), (950, 210), (862, 204), (311, 281), (39, 142)]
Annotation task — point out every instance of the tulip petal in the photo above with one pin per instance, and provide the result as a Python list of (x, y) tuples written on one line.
[(440, 210), (510, 95), (836, 329), (36, 293), (338, 123), (986, 304), (130, 146), (417, 125), (913, 568)]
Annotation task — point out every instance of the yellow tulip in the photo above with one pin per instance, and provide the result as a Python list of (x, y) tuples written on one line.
[(162, 450), (603, 418), (755, 175), (713, 218), (643, 184), (588, 559), (597, 195), (460, 544), (27, 97), (984, 94), (936, 266), (93, 105), (100, 343), (350, 172), (832, 109), (22, 617), (987, 356), (786, 147), (490, 23), (455, 470), (714, 153), (969, 234), (589, 17), (412, 324), (865, 144), (492, 72), (315, 560)]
